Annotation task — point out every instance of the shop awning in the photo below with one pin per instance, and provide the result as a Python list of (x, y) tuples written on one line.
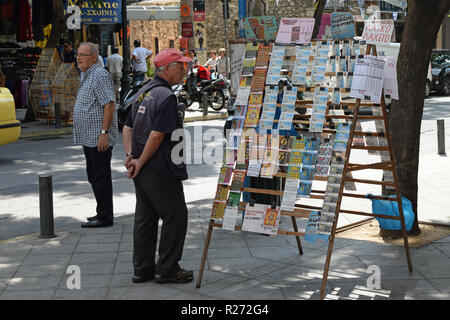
[(153, 12)]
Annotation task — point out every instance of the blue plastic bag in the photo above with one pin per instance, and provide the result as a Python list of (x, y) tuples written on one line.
[(390, 208)]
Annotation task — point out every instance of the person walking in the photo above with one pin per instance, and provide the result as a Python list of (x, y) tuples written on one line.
[(139, 60), (212, 61), (147, 140), (69, 54), (223, 65), (95, 128), (194, 61), (114, 65)]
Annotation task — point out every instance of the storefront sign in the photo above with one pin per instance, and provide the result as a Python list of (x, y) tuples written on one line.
[(199, 10), (342, 26), (378, 31), (110, 11), (187, 30)]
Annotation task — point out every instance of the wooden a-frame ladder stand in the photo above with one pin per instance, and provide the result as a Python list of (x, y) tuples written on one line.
[(303, 210)]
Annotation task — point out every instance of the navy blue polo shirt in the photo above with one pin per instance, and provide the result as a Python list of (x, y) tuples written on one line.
[(156, 110)]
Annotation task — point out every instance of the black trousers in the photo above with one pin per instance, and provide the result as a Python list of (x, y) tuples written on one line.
[(98, 167), (158, 196)]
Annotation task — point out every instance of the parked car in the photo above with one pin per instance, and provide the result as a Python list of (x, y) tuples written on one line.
[(9, 125), (440, 63)]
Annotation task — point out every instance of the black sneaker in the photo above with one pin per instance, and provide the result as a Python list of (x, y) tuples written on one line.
[(181, 276)]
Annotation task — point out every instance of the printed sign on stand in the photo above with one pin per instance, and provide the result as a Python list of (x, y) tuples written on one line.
[(342, 26), (295, 30), (378, 32), (260, 28)]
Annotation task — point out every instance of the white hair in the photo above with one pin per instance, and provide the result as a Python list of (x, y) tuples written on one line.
[(160, 69), (93, 47)]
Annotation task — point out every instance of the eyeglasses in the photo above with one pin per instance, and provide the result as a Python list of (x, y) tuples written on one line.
[(83, 55)]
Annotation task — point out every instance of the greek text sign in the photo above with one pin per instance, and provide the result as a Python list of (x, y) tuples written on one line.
[(342, 26), (110, 11), (378, 31)]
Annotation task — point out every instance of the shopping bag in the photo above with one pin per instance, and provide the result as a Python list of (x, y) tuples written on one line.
[(390, 208)]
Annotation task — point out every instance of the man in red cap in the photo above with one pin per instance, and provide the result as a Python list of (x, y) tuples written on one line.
[(157, 176)]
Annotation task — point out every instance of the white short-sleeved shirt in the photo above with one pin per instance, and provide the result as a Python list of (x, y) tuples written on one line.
[(141, 54), (114, 63)]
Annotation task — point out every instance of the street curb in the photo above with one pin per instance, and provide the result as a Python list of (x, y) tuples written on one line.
[(56, 132), (208, 117), (69, 130)]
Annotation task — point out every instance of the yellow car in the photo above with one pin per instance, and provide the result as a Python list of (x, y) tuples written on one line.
[(9, 126)]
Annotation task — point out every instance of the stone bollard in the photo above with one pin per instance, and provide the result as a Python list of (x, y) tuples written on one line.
[(441, 136), (205, 103), (46, 206), (57, 115)]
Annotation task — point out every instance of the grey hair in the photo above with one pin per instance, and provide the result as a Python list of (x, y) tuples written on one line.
[(160, 69), (93, 47)]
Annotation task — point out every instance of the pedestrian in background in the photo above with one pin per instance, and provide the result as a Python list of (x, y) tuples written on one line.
[(95, 128), (69, 53), (114, 65), (194, 61), (147, 139), (139, 60), (223, 65), (212, 61)]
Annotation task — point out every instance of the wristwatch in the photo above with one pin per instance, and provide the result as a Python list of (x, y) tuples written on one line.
[(105, 131)]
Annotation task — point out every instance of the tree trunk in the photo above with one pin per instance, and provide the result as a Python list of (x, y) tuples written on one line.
[(318, 16), (423, 20), (58, 24)]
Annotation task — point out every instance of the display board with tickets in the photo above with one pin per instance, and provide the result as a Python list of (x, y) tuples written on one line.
[(296, 119)]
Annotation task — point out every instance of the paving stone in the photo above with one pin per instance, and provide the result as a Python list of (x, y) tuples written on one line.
[(80, 258), (97, 247), (88, 281), (81, 294), (98, 238), (27, 295), (33, 283), (40, 270), (252, 290), (142, 291), (42, 259)]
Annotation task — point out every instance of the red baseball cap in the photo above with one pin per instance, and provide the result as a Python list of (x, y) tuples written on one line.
[(168, 56)]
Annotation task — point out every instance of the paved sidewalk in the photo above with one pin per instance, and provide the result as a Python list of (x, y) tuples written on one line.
[(240, 265), (243, 265)]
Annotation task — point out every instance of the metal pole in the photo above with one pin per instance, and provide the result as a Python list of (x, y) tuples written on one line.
[(227, 46), (205, 103), (46, 206), (441, 136), (57, 115), (125, 85)]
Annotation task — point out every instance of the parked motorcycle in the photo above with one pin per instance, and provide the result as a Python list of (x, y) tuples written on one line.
[(216, 89), (178, 89), (128, 98)]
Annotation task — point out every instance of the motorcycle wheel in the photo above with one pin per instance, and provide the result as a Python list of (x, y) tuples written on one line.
[(216, 99)]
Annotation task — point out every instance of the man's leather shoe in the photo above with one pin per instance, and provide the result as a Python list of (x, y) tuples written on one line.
[(92, 218), (96, 224), (139, 279), (181, 276)]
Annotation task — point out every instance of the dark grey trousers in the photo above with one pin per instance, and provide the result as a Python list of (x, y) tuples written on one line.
[(98, 168), (158, 197)]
